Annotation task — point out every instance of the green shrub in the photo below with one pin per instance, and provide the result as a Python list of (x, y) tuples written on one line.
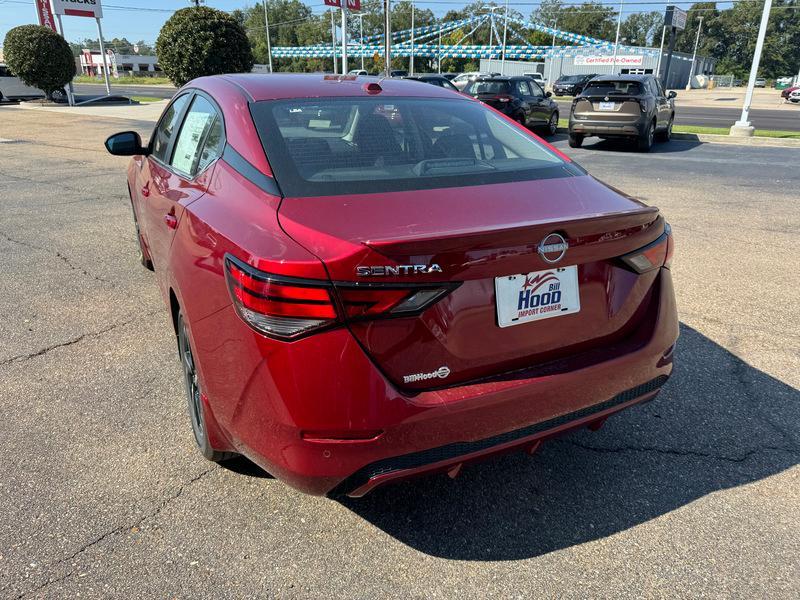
[(200, 41), (39, 57)]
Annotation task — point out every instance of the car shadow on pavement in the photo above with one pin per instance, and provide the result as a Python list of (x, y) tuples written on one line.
[(669, 147), (718, 423)]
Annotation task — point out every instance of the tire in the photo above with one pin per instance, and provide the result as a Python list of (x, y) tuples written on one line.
[(666, 135), (645, 142), (552, 124), (58, 96), (193, 396), (575, 140)]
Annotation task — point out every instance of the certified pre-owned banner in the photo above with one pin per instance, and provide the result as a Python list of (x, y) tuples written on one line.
[(78, 8), (621, 60)]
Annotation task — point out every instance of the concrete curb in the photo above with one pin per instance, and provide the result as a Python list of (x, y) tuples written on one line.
[(712, 138)]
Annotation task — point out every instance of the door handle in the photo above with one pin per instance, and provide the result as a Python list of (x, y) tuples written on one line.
[(171, 221)]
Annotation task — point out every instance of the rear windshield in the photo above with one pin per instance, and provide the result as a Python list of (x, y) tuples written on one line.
[(572, 78), (610, 88), (331, 146), (487, 87)]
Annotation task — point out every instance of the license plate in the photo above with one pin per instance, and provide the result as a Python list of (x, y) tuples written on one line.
[(607, 106), (534, 296)]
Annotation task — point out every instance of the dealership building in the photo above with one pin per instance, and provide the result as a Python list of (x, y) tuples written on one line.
[(638, 61)]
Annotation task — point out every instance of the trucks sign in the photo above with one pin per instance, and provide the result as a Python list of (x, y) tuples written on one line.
[(78, 8)]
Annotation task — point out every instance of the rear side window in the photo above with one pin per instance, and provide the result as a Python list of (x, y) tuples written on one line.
[(609, 88), (332, 146), (200, 138), (166, 128), (488, 87)]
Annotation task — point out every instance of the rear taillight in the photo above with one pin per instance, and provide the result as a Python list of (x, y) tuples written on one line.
[(656, 254), (288, 308)]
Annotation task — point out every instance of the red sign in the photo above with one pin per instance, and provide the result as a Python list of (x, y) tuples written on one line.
[(45, 14), (354, 5)]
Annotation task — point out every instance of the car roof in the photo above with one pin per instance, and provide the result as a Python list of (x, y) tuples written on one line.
[(622, 77), (279, 86)]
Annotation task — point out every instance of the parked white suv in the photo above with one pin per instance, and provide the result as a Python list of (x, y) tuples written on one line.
[(12, 88), (537, 77)]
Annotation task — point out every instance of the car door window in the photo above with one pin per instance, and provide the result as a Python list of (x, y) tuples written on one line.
[(659, 88), (199, 141), (523, 89), (536, 91), (166, 128)]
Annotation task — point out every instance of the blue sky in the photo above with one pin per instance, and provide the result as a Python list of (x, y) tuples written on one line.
[(144, 24)]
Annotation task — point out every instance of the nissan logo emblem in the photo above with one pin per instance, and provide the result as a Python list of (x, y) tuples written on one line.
[(553, 248)]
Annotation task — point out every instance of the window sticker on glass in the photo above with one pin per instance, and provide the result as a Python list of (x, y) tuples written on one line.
[(188, 144)]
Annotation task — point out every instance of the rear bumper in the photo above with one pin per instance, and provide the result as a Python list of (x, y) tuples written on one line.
[(298, 417), (610, 128)]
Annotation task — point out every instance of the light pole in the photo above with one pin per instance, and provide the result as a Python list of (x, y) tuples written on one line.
[(616, 43), (411, 60), (742, 127), (694, 54), (344, 36), (439, 52), (333, 41), (660, 52), (266, 30), (387, 35), (505, 36), (552, 55), (361, 33)]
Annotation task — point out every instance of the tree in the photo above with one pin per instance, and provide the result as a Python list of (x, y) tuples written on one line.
[(200, 41), (590, 18), (642, 29), (39, 57)]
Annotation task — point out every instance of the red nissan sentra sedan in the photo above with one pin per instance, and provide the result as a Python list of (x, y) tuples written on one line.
[(371, 279)]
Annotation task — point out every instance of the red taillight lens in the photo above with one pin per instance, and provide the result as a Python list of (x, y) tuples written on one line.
[(287, 308), (278, 306), (502, 98), (654, 255)]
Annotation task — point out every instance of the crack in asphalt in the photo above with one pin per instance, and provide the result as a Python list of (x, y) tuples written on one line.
[(684, 453), (75, 340), (115, 531), (58, 255)]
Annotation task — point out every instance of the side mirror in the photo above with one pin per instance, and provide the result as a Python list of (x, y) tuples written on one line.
[(548, 94), (126, 143), (672, 94)]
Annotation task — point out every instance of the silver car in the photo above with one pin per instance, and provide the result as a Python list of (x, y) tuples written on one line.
[(12, 87)]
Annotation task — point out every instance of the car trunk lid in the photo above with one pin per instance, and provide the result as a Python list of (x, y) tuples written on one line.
[(474, 235)]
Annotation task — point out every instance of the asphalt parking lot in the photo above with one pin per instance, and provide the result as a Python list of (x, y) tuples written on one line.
[(103, 494)]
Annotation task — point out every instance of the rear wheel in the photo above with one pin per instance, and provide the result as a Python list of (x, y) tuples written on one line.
[(194, 397), (666, 135), (552, 124), (575, 140), (645, 141)]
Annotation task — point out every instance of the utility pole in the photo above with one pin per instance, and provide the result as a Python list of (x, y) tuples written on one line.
[(387, 35), (552, 55), (333, 42), (660, 52), (344, 37), (694, 54), (742, 127), (505, 37), (411, 60), (266, 30), (105, 58), (616, 43)]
